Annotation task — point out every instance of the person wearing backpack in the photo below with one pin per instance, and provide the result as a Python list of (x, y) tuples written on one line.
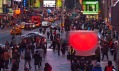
[(109, 67), (27, 58)]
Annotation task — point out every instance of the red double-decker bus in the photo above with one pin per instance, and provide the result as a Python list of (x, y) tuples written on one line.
[(36, 20)]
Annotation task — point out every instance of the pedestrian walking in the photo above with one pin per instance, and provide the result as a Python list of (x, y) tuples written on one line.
[(71, 54), (63, 48), (97, 67), (16, 56), (1, 62), (58, 47), (27, 58), (6, 58), (37, 59), (105, 51), (48, 34), (15, 65), (97, 54), (109, 67)]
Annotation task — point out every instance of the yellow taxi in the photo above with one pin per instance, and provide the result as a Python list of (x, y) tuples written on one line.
[(16, 30), (22, 25)]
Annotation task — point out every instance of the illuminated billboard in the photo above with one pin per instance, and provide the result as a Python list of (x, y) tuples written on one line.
[(90, 7), (1, 1), (37, 3), (59, 3), (49, 3)]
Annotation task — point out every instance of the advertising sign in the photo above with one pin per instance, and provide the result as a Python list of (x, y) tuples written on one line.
[(37, 4), (59, 3), (49, 3), (90, 7), (1, 6)]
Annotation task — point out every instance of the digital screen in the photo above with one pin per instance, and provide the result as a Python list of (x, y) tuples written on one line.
[(90, 7), (49, 3)]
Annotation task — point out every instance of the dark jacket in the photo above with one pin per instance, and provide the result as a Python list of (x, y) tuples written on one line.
[(97, 69), (15, 66), (37, 59)]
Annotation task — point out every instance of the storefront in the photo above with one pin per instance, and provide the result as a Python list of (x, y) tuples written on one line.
[(91, 9)]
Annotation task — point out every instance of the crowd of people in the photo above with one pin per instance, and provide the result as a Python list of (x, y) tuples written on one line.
[(13, 52), (108, 41)]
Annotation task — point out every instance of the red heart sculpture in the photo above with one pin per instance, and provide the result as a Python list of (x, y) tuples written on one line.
[(83, 41)]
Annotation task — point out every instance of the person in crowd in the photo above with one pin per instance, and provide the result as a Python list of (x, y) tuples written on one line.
[(37, 59), (75, 65), (7, 44), (63, 48), (105, 51), (51, 37), (97, 67), (44, 46), (1, 62), (47, 67), (53, 44), (115, 50), (32, 48), (6, 58), (16, 56), (97, 54), (71, 53), (27, 58), (58, 46), (15, 65), (10, 52), (40, 30), (109, 67), (26, 69), (48, 34)]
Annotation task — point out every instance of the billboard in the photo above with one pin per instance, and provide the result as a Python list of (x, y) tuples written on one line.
[(49, 3), (37, 3), (90, 7), (1, 1), (59, 3)]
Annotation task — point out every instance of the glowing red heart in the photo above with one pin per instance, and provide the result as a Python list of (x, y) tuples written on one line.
[(83, 41)]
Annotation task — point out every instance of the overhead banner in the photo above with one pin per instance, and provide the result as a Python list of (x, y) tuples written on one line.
[(90, 7)]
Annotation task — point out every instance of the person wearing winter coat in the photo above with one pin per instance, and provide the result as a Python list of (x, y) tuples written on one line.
[(15, 65), (37, 59), (97, 67), (1, 62), (6, 58)]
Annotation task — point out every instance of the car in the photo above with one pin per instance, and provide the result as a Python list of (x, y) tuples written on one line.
[(16, 30), (54, 26), (45, 24), (29, 26), (33, 36), (22, 25), (2, 46)]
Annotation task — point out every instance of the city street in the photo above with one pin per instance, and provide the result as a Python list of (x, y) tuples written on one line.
[(85, 31), (58, 63)]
